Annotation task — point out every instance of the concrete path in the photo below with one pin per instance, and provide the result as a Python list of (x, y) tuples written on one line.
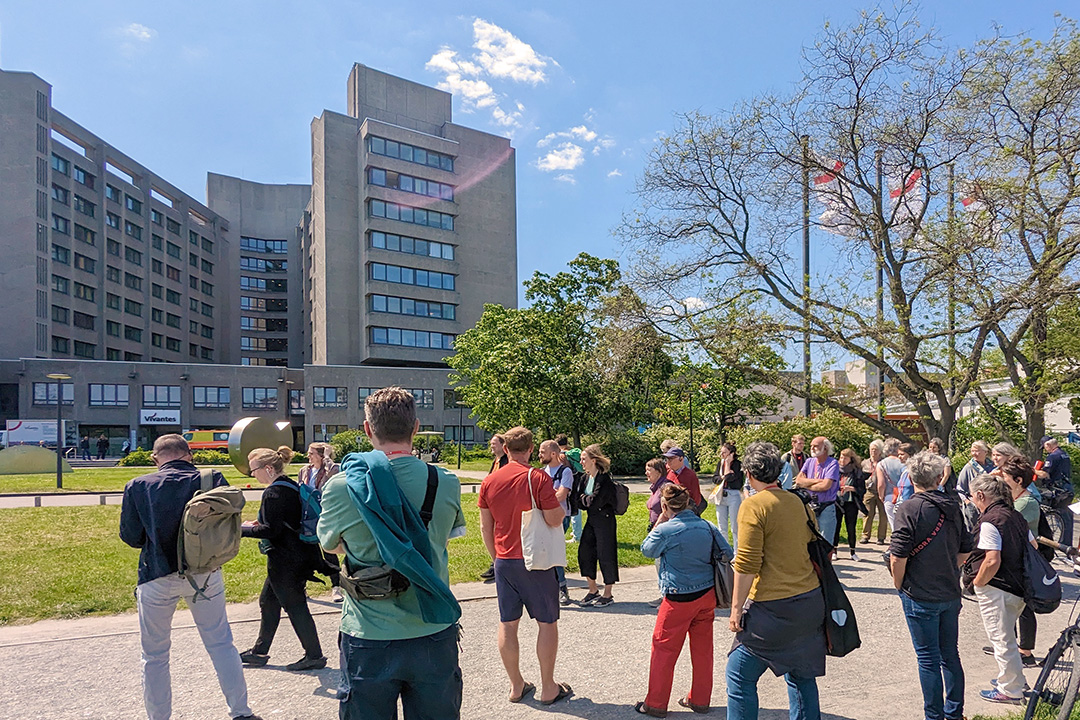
[(89, 668)]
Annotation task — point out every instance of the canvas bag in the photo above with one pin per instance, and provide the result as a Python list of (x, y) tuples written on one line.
[(209, 531), (542, 546), (841, 630)]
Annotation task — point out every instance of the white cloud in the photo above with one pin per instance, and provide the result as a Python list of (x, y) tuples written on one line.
[(566, 178), (615, 173), (693, 304), (581, 132), (504, 55), (138, 33), (499, 55), (566, 156)]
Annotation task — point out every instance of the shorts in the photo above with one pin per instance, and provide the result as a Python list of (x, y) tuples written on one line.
[(535, 590)]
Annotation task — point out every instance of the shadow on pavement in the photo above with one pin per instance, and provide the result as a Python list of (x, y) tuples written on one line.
[(583, 707), (616, 608)]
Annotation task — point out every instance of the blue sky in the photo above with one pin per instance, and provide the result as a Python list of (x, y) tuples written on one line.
[(582, 88)]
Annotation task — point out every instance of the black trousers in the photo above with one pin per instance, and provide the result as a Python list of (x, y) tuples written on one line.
[(849, 514), (599, 544), (285, 588), (1028, 625)]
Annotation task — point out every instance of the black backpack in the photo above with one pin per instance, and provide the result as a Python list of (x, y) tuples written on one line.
[(1042, 586)]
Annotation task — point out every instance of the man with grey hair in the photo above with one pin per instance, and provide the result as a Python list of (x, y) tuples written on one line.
[(150, 517), (887, 477), (929, 543)]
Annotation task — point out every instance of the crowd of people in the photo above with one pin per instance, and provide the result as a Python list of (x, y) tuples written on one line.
[(386, 519)]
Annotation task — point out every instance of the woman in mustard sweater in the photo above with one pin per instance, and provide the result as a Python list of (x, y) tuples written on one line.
[(776, 592)]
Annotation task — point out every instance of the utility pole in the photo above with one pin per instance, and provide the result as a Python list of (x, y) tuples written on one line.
[(806, 272), (880, 288)]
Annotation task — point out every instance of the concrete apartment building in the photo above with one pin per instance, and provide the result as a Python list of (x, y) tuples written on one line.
[(289, 301)]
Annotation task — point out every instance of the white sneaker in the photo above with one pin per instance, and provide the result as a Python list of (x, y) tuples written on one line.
[(854, 557), (336, 595)]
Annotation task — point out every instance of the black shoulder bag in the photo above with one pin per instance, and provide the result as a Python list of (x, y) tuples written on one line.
[(841, 630), (382, 581)]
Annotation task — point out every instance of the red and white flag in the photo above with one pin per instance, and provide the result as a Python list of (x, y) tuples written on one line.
[(831, 191), (907, 199), (977, 211)]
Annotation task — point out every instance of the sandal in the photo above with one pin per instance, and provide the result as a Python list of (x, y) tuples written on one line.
[(525, 690), (700, 709), (644, 709), (564, 692)]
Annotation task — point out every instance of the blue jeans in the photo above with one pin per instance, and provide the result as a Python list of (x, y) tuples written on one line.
[(743, 671), (423, 671), (935, 627), (827, 521), (576, 521)]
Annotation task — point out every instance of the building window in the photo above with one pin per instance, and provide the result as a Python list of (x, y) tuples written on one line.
[(85, 235), (133, 282), (172, 226), (133, 230), (112, 220), (330, 431), (112, 328), (133, 256), (262, 265), (211, 397), (112, 301), (157, 267), (133, 205), (173, 273), (157, 242), (207, 288), (132, 308), (84, 263), (296, 402), (408, 306), (412, 246), (193, 282), (84, 206), (82, 320), (132, 356), (61, 195), (83, 177), (279, 247), (410, 184), (103, 395), (330, 397), (84, 292), (45, 393), (207, 332), (60, 284), (60, 314), (112, 274), (61, 254), (255, 283), (409, 214), (132, 333), (61, 166), (112, 193), (206, 353), (172, 344), (425, 397), (112, 354), (207, 267), (161, 396), (60, 345), (412, 276), (172, 320), (193, 260), (171, 296), (453, 433), (61, 225), (409, 153), (112, 247), (412, 338), (156, 217), (207, 245), (206, 310), (157, 291), (260, 398), (172, 250), (193, 237), (85, 350)]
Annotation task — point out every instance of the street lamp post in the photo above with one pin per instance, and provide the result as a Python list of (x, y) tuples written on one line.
[(461, 429), (691, 463), (59, 378)]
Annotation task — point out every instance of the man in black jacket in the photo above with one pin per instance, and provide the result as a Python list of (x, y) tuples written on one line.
[(929, 543), (150, 520)]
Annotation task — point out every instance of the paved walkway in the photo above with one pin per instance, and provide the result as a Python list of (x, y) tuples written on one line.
[(89, 668)]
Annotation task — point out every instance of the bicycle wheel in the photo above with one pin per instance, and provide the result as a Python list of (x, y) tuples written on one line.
[(1053, 519), (1054, 694)]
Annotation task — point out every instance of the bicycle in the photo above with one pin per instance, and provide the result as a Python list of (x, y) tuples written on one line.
[(1055, 692), (1053, 519)]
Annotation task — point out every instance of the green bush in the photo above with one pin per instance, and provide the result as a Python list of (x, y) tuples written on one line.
[(427, 442), (210, 457), (629, 451), (300, 458), (137, 458), (349, 441), (843, 431)]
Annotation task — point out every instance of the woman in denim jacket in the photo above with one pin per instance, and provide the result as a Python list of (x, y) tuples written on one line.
[(684, 543)]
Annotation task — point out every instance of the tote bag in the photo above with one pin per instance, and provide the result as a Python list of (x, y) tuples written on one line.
[(543, 546), (723, 578), (841, 630)]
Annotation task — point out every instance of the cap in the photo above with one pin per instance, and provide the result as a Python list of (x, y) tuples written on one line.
[(675, 452), (1046, 439)]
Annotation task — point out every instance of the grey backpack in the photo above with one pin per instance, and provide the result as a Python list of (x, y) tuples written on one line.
[(209, 531)]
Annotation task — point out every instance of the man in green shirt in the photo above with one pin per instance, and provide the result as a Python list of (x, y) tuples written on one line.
[(387, 649)]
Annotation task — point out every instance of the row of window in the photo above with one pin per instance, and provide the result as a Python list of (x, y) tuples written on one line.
[(264, 344), (264, 304), (410, 184), (409, 214), (409, 153), (425, 397), (264, 324), (409, 306), (264, 266), (263, 284), (411, 276), (265, 246), (411, 246), (412, 338)]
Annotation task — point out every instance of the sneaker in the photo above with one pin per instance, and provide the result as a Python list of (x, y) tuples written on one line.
[(307, 663), (865, 540), (336, 595), (996, 696), (588, 600), (603, 601), (1030, 660), (988, 650), (570, 540), (488, 574), (1027, 688), (250, 657), (854, 557), (564, 597), (657, 602), (247, 717)]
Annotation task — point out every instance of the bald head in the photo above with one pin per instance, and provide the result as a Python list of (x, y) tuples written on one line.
[(549, 452)]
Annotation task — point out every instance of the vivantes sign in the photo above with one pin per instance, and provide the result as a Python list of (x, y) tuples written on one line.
[(159, 417)]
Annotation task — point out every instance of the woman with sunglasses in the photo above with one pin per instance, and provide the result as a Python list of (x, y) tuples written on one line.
[(290, 562)]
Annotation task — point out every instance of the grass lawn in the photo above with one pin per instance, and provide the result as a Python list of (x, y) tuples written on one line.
[(450, 463), (69, 561), (104, 479)]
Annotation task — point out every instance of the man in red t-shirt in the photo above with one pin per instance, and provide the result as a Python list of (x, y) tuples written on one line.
[(504, 495), (681, 474)]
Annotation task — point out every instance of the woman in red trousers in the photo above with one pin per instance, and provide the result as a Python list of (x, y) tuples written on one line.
[(683, 542)]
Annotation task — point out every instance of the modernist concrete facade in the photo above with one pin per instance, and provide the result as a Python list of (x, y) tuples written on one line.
[(281, 300)]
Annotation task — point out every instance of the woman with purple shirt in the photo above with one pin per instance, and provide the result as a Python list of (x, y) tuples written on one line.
[(656, 472), (820, 476)]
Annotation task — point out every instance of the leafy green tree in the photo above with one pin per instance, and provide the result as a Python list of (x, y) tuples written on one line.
[(994, 422)]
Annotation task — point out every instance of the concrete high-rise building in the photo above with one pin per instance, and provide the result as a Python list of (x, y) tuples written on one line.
[(331, 290)]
